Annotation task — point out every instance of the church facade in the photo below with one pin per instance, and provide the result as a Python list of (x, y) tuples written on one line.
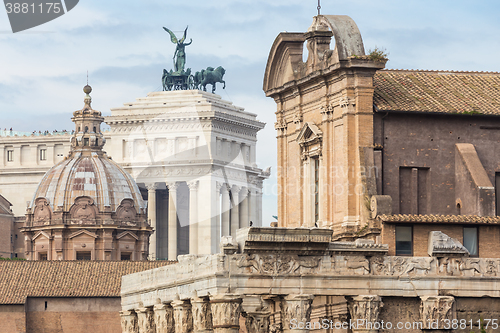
[(386, 206)]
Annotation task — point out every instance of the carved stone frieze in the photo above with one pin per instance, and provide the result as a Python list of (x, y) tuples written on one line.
[(129, 322), (278, 264), (226, 310), (365, 308), (183, 317), (164, 318), (296, 307), (146, 320), (435, 310), (202, 315)]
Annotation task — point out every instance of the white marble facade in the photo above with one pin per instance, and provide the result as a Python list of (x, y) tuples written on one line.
[(191, 153)]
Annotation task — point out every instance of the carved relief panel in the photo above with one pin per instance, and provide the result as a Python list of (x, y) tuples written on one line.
[(42, 214)]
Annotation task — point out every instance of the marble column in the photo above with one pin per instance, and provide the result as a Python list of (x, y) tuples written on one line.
[(152, 218), (202, 316), (244, 216), (252, 206), (216, 227), (434, 310), (226, 310), (364, 310), (145, 320), (296, 309), (172, 220), (235, 210), (129, 322), (193, 216), (183, 318), (226, 208), (258, 199), (164, 318)]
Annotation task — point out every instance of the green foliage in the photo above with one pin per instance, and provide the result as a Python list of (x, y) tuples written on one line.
[(378, 54), (2, 258)]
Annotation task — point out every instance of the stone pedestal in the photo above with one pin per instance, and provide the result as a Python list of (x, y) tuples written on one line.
[(296, 311), (129, 322), (434, 310), (226, 310), (164, 318), (182, 317), (202, 315), (364, 311)]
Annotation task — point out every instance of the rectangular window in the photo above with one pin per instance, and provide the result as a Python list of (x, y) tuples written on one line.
[(83, 256), (85, 141), (316, 189), (471, 240), (404, 241), (10, 155), (125, 256), (42, 256), (43, 154)]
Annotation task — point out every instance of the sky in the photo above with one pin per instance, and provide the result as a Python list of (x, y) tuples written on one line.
[(124, 49)]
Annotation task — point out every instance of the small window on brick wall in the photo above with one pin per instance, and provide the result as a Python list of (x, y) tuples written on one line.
[(404, 240), (471, 240), (10, 155)]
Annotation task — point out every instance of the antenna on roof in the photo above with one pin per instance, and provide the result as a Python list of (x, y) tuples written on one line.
[(319, 7), (88, 74)]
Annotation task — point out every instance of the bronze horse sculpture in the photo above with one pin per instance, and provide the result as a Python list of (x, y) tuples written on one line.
[(212, 76)]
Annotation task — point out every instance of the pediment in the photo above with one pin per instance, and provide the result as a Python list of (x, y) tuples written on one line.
[(42, 234), (83, 232), (127, 233), (309, 133)]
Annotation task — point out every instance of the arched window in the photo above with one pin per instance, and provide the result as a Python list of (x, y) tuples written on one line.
[(94, 129), (86, 129)]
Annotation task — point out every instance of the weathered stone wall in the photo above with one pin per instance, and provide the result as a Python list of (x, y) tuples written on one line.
[(73, 315), (12, 318)]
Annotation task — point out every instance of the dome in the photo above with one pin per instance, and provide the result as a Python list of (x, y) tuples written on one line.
[(87, 207), (96, 177)]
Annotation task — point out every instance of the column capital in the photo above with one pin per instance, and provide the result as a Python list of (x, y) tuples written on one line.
[(224, 188), (366, 308), (202, 315), (152, 186), (218, 186), (164, 318), (435, 309), (296, 307), (226, 310), (172, 186), (129, 322), (145, 320), (193, 185), (236, 189), (183, 318)]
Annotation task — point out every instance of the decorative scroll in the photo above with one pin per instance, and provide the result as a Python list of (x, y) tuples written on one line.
[(42, 213), (126, 210), (83, 210)]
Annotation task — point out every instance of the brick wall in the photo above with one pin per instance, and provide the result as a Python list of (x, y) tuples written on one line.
[(489, 238)]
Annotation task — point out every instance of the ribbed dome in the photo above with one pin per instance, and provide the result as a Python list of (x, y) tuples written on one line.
[(94, 176)]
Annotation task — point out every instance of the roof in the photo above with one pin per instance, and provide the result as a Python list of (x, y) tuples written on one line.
[(21, 279), (438, 219), (437, 91)]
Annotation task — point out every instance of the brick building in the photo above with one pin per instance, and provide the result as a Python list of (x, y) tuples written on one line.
[(63, 296)]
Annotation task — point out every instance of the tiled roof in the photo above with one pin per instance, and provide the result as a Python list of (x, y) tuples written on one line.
[(20, 279), (437, 91), (459, 219)]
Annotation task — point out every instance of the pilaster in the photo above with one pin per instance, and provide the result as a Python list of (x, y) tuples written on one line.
[(152, 218), (172, 220), (193, 216), (235, 208)]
